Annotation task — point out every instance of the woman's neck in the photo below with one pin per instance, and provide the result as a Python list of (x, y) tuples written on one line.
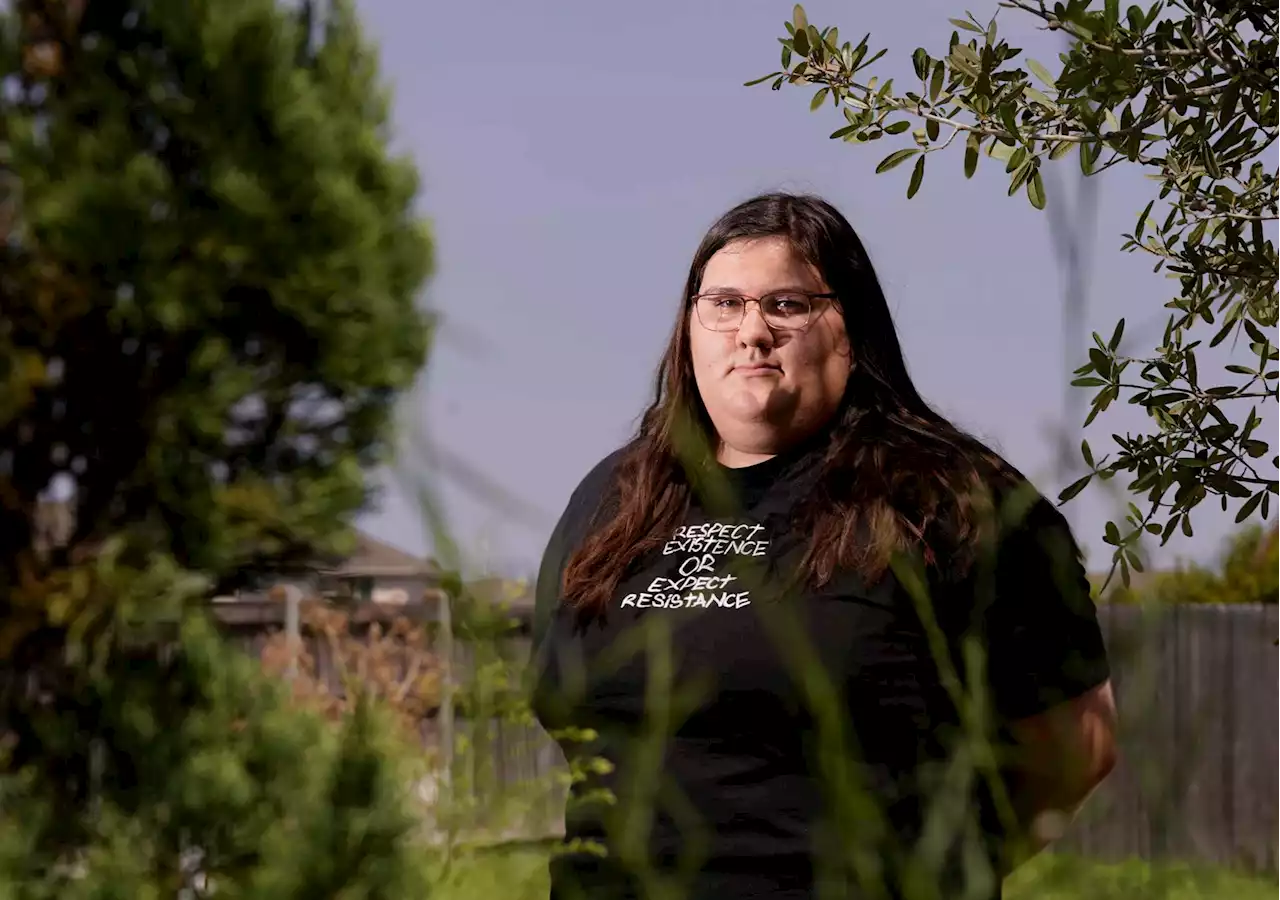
[(739, 459)]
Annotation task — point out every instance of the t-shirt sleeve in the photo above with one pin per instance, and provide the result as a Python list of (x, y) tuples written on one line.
[(547, 589), (1044, 645), (571, 529)]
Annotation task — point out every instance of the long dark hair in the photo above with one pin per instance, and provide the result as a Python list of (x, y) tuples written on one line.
[(895, 475)]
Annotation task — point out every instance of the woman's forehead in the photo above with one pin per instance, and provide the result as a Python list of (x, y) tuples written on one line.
[(759, 264)]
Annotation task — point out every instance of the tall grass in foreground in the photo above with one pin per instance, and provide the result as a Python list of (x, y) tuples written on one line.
[(520, 874)]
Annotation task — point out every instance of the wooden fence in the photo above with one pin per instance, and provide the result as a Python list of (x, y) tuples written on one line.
[(1196, 688), (504, 778), (1197, 692)]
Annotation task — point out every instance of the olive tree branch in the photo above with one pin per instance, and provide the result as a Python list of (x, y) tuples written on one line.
[(1055, 24), (901, 104)]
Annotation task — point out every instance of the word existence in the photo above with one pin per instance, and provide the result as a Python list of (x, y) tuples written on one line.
[(699, 581)]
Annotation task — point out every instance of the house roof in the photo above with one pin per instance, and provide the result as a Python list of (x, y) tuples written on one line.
[(55, 522), (375, 558)]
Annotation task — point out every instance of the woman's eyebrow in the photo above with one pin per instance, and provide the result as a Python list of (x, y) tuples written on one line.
[(795, 289)]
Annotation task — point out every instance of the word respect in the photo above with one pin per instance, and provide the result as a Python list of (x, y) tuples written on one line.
[(717, 539)]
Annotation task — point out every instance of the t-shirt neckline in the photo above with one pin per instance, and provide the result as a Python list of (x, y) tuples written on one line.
[(755, 478)]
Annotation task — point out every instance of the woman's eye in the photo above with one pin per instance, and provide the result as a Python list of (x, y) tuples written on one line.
[(789, 306)]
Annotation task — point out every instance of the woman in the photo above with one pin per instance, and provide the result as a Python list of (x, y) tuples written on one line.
[(869, 668)]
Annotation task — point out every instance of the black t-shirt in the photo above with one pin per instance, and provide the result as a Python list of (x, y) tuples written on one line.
[(766, 740)]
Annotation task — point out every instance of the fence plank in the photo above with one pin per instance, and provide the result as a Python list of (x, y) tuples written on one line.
[(1253, 782)]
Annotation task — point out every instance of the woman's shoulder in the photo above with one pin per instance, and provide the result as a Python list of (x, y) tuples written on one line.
[(1020, 510), (1021, 505), (595, 486), (600, 477)]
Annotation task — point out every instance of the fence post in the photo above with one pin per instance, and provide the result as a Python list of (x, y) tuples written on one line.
[(292, 629), (446, 685)]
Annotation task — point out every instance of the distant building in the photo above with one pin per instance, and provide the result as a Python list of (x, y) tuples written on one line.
[(375, 572), (379, 572)]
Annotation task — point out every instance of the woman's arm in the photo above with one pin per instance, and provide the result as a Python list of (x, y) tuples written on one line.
[(1061, 756), (1050, 676)]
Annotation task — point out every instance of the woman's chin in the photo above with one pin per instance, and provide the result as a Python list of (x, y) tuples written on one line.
[(748, 411), (754, 426), (761, 402)]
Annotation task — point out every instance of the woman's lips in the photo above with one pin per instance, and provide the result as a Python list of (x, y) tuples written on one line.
[(758, 369)]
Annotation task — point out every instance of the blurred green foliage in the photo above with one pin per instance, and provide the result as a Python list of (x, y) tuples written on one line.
[(192, 772), (1248, 571), (209, 264)]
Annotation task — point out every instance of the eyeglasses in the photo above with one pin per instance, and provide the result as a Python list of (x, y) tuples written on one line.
[(785, 310)]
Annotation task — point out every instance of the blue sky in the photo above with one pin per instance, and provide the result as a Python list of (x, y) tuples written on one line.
[(572, 154)]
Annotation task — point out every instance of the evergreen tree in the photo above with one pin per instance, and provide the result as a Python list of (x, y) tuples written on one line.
[(208, 267)]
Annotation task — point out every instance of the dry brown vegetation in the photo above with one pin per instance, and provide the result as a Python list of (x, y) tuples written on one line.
[(339, 657)]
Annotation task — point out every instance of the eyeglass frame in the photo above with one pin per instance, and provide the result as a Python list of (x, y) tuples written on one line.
[(759, 302)]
